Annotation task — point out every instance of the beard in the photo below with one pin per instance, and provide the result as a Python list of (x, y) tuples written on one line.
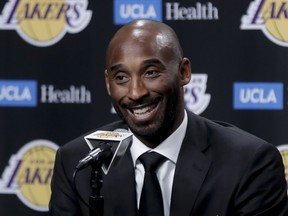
[(158, 129)]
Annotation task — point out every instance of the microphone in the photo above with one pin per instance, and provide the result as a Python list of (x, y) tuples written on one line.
[(107, 147), (95, 155)]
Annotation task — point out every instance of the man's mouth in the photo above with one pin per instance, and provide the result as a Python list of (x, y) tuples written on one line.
[(143, 112)]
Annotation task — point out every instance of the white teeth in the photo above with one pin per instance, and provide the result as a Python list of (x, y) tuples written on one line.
[(141, 111)]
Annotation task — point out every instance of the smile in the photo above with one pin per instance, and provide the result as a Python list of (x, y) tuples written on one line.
[(144, 112)]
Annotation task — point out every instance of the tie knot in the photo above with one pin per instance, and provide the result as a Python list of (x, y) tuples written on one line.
[(151, 160)]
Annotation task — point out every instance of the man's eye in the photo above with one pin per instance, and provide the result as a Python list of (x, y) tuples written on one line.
[(152, 73), (121, 78)]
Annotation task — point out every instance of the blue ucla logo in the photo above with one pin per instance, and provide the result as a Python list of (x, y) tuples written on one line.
[(128, 10), (18, 93), (265, 96)]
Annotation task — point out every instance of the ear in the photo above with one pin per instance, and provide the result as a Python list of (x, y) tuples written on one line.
[(107, 82), (185, 71)]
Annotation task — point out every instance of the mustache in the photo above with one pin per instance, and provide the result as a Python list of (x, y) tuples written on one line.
[(140, 102)]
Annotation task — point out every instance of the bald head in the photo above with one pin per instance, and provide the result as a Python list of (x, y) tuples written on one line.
[(145, 74), (150, 32)]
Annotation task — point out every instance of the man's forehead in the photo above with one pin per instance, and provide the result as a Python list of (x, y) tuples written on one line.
[(143, 63), (142, 41)]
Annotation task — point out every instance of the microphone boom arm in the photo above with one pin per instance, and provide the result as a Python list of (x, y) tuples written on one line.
[(97, 155)]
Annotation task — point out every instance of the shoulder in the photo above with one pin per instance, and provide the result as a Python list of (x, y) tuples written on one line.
[(230, 147), (225, 135)]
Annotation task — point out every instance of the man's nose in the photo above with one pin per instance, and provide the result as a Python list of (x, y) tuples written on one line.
[(137, 89)]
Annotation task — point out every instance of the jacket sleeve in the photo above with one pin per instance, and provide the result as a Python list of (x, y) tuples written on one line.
[(63, 201), (263, 189)]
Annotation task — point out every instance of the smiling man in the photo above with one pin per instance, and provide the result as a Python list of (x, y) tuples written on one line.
[(202, 167), (144, 77)]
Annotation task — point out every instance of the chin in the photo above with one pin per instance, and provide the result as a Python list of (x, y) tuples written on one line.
[(143, 130)]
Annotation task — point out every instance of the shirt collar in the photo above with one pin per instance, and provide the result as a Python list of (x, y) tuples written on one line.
[(169, 148)]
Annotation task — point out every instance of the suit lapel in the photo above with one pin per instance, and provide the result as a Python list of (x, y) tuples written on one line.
[(191, 169), (119, 189)]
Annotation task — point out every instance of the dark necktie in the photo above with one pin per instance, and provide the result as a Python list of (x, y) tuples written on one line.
[(151, 201)]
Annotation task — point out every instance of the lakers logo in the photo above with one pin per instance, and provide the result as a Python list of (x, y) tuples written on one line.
[(45, 22), (195, 97), (269, 16), (108, 134), (29, 174), (284, 153)]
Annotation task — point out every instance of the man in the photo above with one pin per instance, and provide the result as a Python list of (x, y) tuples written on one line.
[(210, 168)]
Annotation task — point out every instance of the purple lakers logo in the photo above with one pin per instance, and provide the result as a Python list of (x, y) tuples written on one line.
[(45, 22), (195, 96), (269, 16), (29, 174)]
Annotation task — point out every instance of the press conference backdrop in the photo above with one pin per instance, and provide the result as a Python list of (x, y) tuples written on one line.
[(52, 56)]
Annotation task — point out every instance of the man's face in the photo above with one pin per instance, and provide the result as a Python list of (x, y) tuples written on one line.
[(142, 78)]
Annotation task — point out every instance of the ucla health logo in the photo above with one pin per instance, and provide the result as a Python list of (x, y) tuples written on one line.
[(43, 22), (269, 16), (29, 174), (195, 97), (265, 96), (18, 93), (128, 10)]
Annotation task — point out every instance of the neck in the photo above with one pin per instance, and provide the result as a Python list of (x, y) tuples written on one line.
[(153, 140)]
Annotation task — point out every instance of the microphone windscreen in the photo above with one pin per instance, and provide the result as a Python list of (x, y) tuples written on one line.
[(120, 140)]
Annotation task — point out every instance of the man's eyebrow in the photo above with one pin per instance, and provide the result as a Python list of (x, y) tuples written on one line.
[(152, 61), (115, 67)]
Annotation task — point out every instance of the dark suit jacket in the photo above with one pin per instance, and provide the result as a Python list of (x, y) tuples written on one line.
[(221, 170)]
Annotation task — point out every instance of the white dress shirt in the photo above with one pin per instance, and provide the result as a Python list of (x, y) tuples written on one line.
[(169, 148)]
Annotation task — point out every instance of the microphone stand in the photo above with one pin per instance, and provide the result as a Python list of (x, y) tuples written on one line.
[(96, 200), (96, 158)]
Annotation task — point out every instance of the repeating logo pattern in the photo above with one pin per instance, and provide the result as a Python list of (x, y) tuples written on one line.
[(18, 93), (128, 10), (253, 95), (29, 174), (43, 22), (269, 16), (24, 93), (195, 96)]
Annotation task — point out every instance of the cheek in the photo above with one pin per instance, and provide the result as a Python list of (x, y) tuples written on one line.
[(163, 85), (117, 92)]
